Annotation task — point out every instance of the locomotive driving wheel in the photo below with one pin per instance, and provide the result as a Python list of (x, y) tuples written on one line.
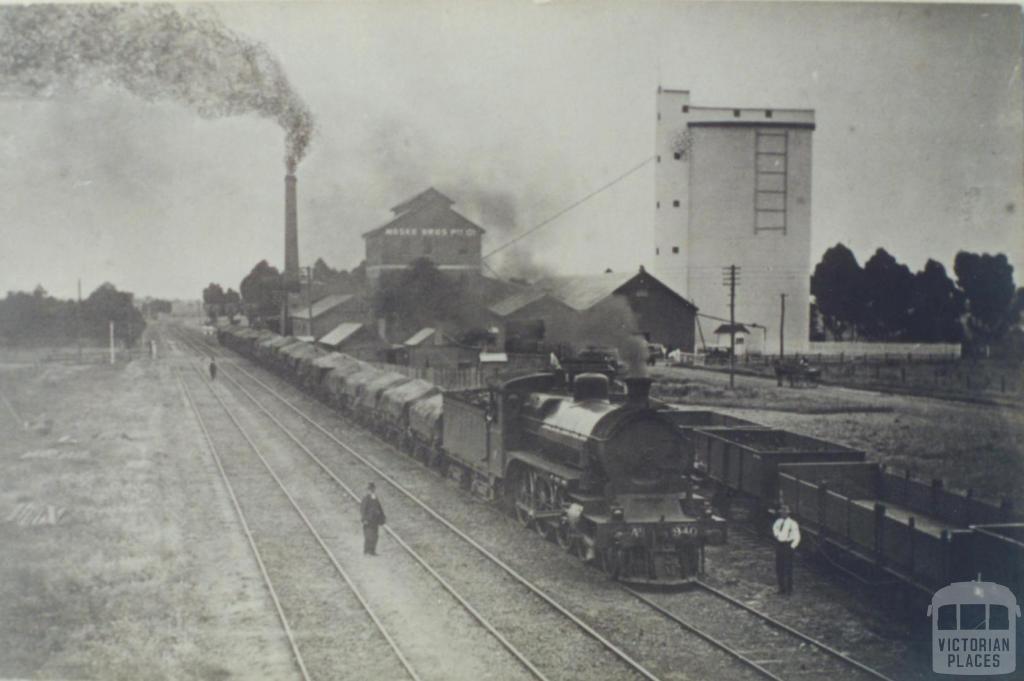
[(543, 498), (523, 497), (563, 533)]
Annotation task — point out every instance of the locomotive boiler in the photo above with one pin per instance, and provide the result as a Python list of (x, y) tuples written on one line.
[(605, 475)]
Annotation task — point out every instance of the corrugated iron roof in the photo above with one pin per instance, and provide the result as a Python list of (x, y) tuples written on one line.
[(517, 301), (340, 333), (584, 291), (325, 304), (420, 336)]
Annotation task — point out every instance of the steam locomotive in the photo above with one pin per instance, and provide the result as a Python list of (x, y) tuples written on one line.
[(580, 457)]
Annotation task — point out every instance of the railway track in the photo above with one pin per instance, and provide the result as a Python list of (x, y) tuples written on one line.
[(772, 648), (589, 641), (310, 604), (759, 642)]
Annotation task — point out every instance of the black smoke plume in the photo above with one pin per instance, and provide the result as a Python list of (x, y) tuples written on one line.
[(154, 51)]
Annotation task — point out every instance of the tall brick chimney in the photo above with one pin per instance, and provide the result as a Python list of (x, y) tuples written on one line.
[(291, 230)]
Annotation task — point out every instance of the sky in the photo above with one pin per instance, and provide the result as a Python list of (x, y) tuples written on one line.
[(516, 110)]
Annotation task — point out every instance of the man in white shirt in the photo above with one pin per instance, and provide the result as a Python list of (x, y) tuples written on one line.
[(787, 538)]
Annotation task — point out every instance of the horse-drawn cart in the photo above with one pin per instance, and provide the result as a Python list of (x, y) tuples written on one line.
[(797, 373)]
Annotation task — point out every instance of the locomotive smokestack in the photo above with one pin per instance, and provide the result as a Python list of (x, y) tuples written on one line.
[(638, 390), (291, 227)]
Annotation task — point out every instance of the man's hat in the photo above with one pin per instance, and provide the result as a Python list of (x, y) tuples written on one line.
[(783, 509), (371, 486)]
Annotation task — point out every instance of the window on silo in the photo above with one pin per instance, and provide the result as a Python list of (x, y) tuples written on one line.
[(771, 166), (675, 249)]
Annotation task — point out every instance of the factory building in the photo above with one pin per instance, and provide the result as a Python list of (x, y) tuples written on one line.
[(733, 187), (575, 310), (425, 226)]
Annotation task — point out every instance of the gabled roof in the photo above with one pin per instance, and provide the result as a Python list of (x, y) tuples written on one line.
[(584, 291), (424, 212), (728, 328), (420, 336), (325, 304), (429, 196), (340, 333), (518, 301)]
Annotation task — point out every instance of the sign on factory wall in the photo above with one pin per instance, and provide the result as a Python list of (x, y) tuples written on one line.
[(429, 231)]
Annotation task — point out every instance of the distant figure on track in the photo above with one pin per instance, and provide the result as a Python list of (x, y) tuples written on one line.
[(787, 538), (213, 369), (373, 517)]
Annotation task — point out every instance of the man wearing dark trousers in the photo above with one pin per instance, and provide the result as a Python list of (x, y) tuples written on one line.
[(373, 517), (787, 538)]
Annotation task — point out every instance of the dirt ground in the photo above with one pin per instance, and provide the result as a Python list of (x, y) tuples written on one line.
[(122, 557), (966, 445)]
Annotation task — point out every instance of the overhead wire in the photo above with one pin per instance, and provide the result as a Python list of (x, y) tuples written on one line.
[(568, 208)]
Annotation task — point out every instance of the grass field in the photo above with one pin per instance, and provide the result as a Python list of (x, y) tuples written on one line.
[(116, 562)]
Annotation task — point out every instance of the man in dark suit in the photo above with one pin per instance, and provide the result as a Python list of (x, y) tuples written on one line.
[(373, 517)]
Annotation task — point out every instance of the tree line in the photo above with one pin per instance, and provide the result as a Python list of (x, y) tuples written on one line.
[(885, 301), (262, 291), (418, 296), (38, 318)]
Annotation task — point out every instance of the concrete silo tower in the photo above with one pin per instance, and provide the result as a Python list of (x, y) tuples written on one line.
[(733, 187)]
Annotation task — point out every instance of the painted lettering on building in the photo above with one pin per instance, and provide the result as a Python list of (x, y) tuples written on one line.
[(430, 231)]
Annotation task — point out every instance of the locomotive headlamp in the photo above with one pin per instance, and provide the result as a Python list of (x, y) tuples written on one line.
[(617, 513)]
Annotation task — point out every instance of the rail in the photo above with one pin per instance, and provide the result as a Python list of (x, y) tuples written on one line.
[(820, 645), (248, 533), (721, 645), (319, 539), (512, 572)]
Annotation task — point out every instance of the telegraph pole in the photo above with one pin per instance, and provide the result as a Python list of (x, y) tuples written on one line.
[(309, 301), (782, 326), (78, 322), (732, 280)]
